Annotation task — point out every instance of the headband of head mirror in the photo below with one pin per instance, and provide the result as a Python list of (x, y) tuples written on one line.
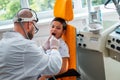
[(34, 17)]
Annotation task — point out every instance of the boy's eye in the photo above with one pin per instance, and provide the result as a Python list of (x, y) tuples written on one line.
[(52, 26)]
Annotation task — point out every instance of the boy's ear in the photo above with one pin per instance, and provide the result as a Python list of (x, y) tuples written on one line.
[(64, 31)]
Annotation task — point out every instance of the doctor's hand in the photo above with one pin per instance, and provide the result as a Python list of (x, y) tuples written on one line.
[(46, 45), (54, 43)]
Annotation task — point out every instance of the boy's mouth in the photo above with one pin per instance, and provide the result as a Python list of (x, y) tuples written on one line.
[(53, 34)]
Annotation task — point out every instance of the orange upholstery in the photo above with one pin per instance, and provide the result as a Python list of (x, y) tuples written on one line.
[(63, 9), (70, 39)]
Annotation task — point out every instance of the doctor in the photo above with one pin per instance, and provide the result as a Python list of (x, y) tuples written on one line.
[(20, 58)]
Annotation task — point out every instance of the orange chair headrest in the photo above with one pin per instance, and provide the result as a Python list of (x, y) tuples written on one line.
[(63, 9)]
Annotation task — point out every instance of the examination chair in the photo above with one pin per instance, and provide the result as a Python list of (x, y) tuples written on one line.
[(70, 39), (64, 9)]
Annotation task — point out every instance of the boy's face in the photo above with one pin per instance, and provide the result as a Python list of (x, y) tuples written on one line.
[(56, 29)]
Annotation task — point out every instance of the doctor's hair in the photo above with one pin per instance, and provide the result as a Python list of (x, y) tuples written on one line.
[(62, 21)]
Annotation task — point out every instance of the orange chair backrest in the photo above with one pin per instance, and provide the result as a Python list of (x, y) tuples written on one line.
[(64, 10), (70, 39)]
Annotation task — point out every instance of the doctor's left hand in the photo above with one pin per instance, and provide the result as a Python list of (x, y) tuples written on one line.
[(46, 45)]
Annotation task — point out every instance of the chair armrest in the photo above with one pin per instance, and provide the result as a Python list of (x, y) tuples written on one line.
[(70, 72)]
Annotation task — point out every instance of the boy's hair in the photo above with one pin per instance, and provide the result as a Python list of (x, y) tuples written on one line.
[(62, 21)]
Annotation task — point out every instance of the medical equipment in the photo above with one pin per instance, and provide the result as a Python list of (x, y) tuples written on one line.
[(91, 34), (113, 43), (113, 39), (116, 3), (89, 40), (95, 18)]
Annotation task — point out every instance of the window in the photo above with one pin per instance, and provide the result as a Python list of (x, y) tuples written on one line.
[(44, 8), (8, 8), (41, 5), (97, 2), (94, 2)]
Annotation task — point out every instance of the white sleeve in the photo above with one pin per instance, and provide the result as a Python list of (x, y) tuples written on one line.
[(37, 62), (54, 65), (63, 49)]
